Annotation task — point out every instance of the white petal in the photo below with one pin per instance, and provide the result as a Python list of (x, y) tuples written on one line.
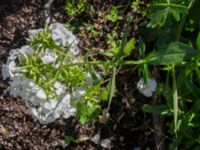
[(57, 84), (48, 57), (27, 50), (153, 85), (64, 37), (48, 119), (146, 92), (33, 111), (50, 105), (13, 54), (60, 89), (33, 100), (78, 93), (33, 32), (74, 49), (147, 89), (41, 94), (56, 114), (72, 110), (66, 115), (67, 97), (5, 72)]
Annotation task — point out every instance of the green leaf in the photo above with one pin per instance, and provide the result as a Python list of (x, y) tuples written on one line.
[(111, 53), (175, 100), (142, 48), (112, 87), (175, 14), (154, 109), (198, 41), (83, 119), (105, 95), (194, 12), (69, 139), (129, 46), (158, 18), (175, 53)]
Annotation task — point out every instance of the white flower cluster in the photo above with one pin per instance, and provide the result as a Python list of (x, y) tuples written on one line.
[(44, 108), (147, 89)]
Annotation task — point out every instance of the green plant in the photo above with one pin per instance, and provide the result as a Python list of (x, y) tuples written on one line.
[(113, 15), (91, 29), (137, 5), (178, 55), (73, 72), (74, 8)]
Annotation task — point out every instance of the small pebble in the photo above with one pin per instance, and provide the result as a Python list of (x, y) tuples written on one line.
[(121, 139), (106, 143), (96, 139), (137, 148)]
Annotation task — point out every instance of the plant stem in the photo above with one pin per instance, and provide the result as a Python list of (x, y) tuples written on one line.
[(171, 5), (112, 88), (47, 7), (181, 25), (175, 100), (157, 119)]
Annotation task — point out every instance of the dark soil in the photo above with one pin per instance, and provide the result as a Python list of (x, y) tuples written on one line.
[(18, 130)]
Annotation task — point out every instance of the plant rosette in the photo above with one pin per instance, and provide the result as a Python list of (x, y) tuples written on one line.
[(44, 106)]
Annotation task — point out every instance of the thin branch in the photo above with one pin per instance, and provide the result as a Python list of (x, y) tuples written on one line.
[(157, 120), (47, 8)]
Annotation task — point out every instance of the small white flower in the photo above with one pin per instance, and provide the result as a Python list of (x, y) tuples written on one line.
[(64, 37), (33, 100), (41, 94), (78, 93), (74, 49), (5, 72), (66, 108), (27, 50), (48, 56), (13, 54), (61, 35), (15, 86), (147, 89), (44, 118), (59, 88), (33, 111), (48, 119), (50, 105), (24, 52), (9, 69), (33, 32), (45, 109)]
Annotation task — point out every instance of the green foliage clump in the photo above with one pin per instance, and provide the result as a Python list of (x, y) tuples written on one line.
[(74, 8), (178, 55), (113, 15)]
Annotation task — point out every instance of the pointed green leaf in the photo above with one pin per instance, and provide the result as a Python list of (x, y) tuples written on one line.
[(175, 53), (198, 41), (175, 14), (129, 46), (69, 139), (154, 109)]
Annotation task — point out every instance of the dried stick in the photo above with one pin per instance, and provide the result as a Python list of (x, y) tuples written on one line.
[(157, 120), (47, 11)]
